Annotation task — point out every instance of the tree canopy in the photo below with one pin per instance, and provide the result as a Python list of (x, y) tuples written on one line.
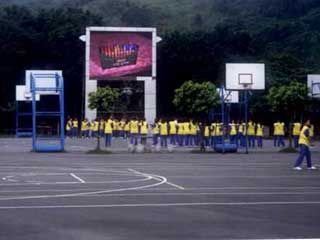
[(103, 99), (196, 98)]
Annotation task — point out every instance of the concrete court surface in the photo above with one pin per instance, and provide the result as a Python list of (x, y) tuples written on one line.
[(181, 195)]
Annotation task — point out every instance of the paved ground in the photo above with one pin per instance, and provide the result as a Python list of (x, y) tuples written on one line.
[(179, 195)]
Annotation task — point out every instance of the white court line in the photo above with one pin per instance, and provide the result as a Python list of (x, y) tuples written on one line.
[(162, 180), (162, 205), (197, 194), (155, 177), (30, 183), (76, 177)]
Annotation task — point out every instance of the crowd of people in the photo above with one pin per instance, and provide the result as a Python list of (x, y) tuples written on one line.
[(181, 132)]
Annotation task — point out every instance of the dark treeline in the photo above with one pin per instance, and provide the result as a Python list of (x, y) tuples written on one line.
[(286, 38)]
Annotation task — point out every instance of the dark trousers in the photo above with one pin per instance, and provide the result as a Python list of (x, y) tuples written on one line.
[(163, 140), (259, 141), (108, 137), (251, 140), (304, 152), (281, 141)]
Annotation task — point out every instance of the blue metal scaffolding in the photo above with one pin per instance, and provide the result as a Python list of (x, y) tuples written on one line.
[(22, 131), (48, 144)]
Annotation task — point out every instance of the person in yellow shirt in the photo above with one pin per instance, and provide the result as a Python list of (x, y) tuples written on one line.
[(68, 127), (74, 128), (126, 129), (85, 127), (304, 142), (275, 133), (163, 133), (181, 133), (296, 128), (193, 133), (134, 131), (251, 134), (219, 132), (206, 134), (122, 125), (108, 128), (94, 128), (115, 130), (143, 126), (241, 136), (155, 132), (233, 132), (101, 130), (213, 133), (259, 134), (186, 127), (173, 126), (281, 135)]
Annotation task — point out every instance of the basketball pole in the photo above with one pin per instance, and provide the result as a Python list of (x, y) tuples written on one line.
[(246, 117), (222, 115)]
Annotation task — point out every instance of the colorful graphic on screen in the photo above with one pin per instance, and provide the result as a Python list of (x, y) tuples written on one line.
[(120, 54)]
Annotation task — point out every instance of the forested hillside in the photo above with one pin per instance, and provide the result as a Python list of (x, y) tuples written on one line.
[(199, 37)]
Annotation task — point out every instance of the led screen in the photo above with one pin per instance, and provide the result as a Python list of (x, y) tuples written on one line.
[(120, 55)]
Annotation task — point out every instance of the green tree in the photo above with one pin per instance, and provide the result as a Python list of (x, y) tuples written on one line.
[(103, 99), (196, 98), (288, 99)]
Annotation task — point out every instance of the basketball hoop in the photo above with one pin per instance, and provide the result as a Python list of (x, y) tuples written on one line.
[(247, 86)]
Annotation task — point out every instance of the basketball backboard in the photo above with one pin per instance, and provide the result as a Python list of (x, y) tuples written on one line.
[(230, 96), (245, 76), (314, 85), (44, 79), (22, 95)]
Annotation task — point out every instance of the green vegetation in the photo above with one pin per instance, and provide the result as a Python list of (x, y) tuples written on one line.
[(104, 100), (199, 37), (288, 99), (196, 98)]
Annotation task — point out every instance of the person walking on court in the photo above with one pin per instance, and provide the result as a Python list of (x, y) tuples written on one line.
[(304, 142)]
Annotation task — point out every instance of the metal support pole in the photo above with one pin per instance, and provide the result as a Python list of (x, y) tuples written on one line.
[(34, 117), (246, 117), (17, 117), (222, 115)]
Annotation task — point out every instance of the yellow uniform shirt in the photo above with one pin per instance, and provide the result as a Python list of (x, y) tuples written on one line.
[(186, 127), (75, 124), (193, 129), (276, 128), (281, 129), (233, 129), (219, 129), (251, 129), (303, 139), (180, 128), (296, 129), (108, 126), (163, 129), (259, 130), (173, 127), (95, 126), (143, 128), (206, 131), (134, 127), (69, 125), (155, 128), (213, 129)]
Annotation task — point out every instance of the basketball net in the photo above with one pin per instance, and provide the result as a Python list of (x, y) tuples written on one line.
[(247, 86)]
